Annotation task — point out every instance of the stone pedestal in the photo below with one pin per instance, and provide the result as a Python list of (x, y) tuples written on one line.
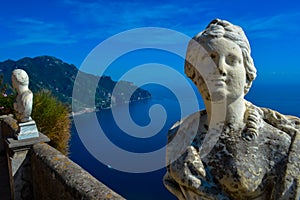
[(17, 142), (19, 165), (27, 130)]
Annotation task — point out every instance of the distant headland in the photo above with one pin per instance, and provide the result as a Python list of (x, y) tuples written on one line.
[(57, 76)]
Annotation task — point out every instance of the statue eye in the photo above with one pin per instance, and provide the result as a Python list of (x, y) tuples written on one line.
[(232, 60)]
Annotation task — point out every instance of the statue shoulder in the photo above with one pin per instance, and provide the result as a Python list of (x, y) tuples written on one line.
[(188, 124), (290, 187), (286, 123)]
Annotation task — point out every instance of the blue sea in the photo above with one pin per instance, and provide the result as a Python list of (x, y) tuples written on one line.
[(149, 186)]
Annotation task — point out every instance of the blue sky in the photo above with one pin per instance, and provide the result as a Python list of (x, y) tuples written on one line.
[(70, 29)]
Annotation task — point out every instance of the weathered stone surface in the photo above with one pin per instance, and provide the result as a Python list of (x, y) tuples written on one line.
[(21, 173), (237, 150), (57, 177), (31, 169), (5, 191), (27, 130), (24, 99), (17, 164), (10, 129), (23, 106)]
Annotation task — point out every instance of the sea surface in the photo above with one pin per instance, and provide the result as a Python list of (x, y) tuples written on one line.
[(149, 186)]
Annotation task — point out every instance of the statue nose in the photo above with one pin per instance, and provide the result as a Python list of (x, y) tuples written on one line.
[(221, 66)]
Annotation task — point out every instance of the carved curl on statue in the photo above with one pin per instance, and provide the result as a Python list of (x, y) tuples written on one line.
[(257, 154), (24, 99)]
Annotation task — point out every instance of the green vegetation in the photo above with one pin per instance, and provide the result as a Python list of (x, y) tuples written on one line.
[(50, 73), (52, 81), (6, 101), (50, 115), (52, 119)]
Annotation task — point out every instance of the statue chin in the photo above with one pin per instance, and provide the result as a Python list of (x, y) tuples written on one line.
[(218, 96)]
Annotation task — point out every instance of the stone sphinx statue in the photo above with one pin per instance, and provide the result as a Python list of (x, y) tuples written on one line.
[(24, 99), (254, 153)]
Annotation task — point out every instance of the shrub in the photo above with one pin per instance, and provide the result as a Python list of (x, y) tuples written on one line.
[(52, 119), (6, 100), (50, 115), (6, 104)]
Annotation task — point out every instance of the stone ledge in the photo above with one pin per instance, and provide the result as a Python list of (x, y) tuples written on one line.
[(13, 143), (57, 177)]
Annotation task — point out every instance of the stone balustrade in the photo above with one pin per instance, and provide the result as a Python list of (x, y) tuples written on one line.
[(31, 169)]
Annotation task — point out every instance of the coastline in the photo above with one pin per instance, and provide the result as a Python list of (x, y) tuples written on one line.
[(95, 109)]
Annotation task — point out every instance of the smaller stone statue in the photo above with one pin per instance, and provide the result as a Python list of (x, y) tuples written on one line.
[(24, 99), (23, 105)]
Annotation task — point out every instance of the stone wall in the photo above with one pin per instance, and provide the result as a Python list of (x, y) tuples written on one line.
[(57, 177), (5, 187), (4, 175), (31, 169)]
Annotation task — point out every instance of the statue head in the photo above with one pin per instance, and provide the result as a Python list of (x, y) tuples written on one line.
[(19, 78), (224, 29)]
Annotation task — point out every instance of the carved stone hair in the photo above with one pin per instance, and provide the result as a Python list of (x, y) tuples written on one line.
[(20, 76), (221, 28)]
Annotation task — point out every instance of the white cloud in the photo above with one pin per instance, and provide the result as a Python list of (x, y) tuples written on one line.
[(273, 26), (30, 31), (110, 17)]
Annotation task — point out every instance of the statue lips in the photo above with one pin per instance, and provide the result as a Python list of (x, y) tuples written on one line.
[(216, 81), (219, 82)]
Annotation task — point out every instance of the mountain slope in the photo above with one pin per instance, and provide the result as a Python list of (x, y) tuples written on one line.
[(46, 72)]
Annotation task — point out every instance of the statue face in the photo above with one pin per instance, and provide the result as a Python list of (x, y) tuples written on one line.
[(14, 82), (227, 79)]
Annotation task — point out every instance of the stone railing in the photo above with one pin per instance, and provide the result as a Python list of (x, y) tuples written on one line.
[(31, 169)]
